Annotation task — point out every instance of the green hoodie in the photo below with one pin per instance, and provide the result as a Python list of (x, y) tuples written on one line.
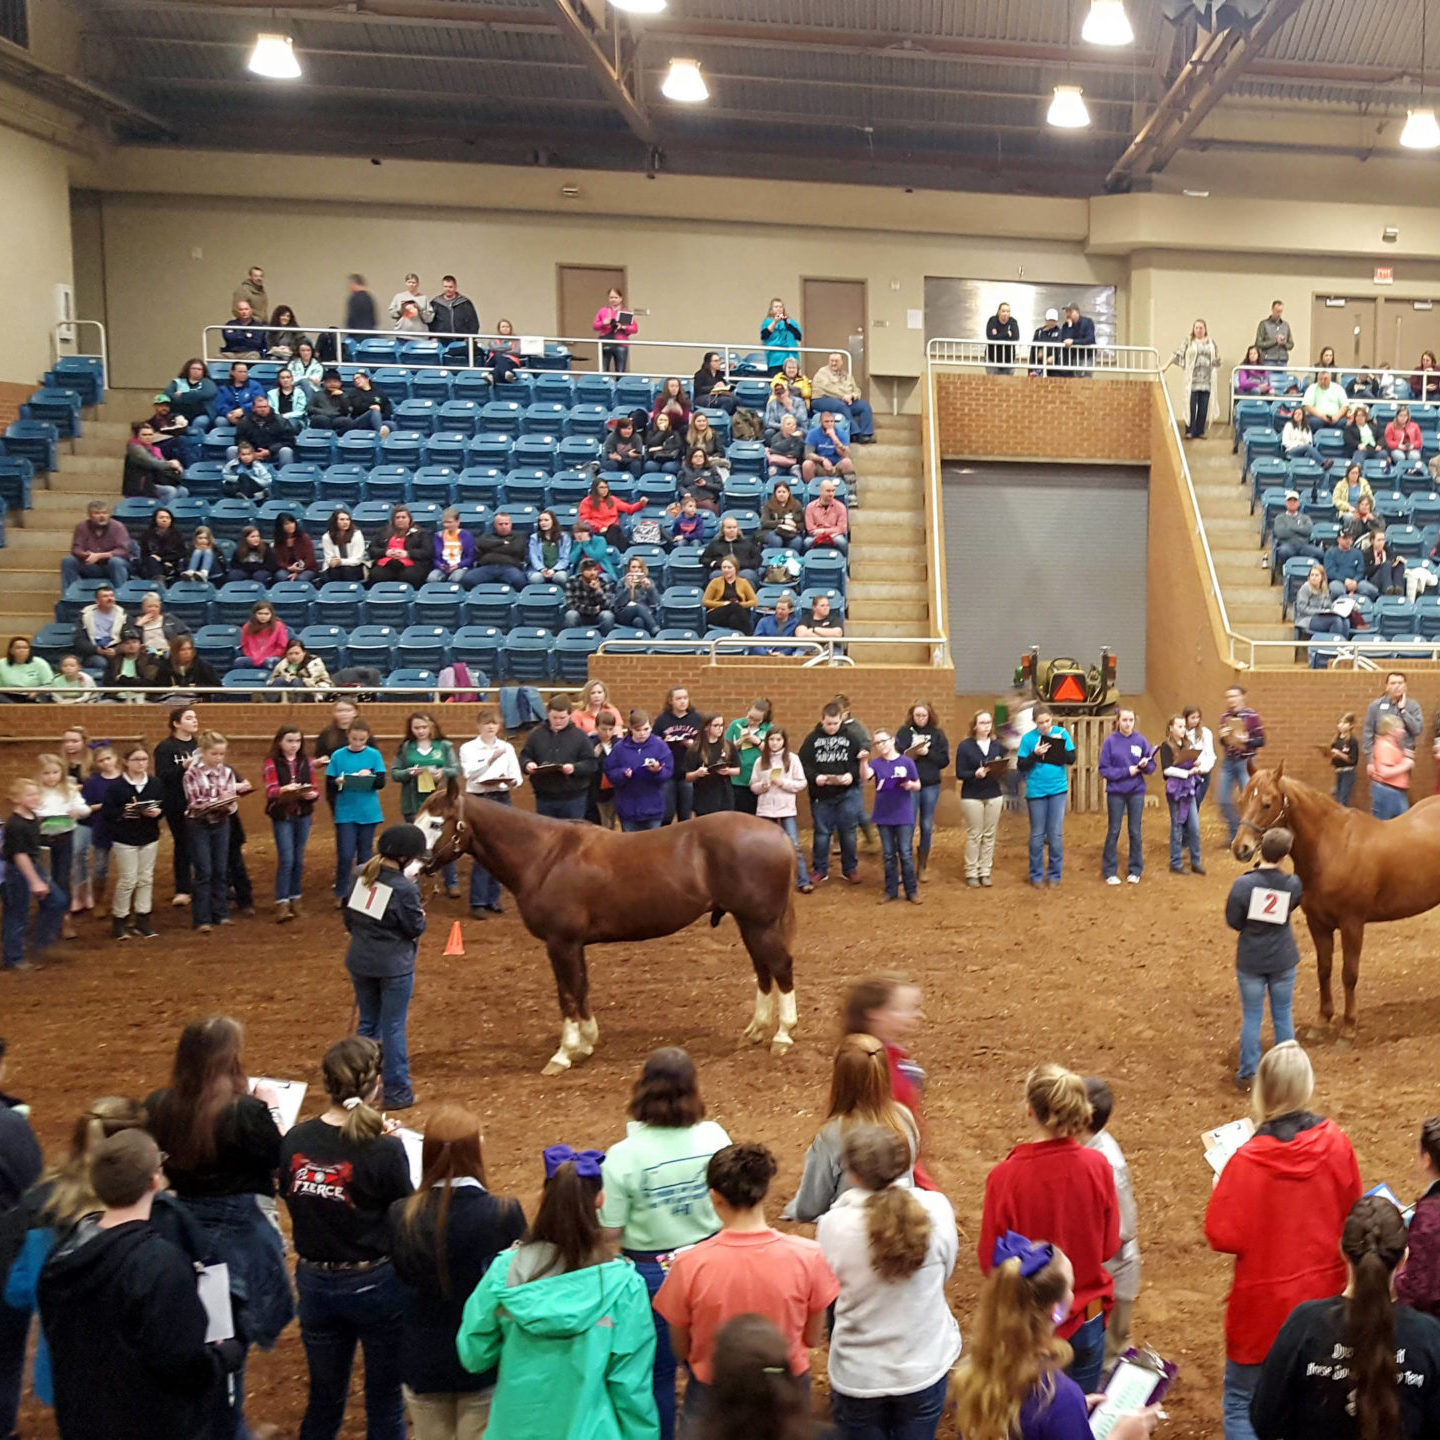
[(576, 1353)]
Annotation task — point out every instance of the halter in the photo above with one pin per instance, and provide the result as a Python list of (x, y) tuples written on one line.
[(434, 862), (1279, 819)]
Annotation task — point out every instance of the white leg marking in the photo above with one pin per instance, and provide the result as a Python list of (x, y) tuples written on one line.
[(789, 1019), (589, 1035), (763, 1021), (564, 1057)]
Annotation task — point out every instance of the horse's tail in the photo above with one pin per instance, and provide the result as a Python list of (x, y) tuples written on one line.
[(717, 915)]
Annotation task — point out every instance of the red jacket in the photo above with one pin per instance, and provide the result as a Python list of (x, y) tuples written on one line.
[(1278, 1209), (907, 1093), (600, 515), (1057, 1190)]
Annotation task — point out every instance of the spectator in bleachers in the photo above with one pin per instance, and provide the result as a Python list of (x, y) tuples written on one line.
[(173, 437), (271, 436), (710, 387), (234, 398), (342, 550), (1298, 1165), (664, 447), (328, 407), (1003, 331), (780, 622), (1402, 438), (834, 389), (782, 519), (156, 628), (1345, 569), (1250, 379), (503, 358), (785, 448), (1362, 441), (204, 560), (1426, 384), (1290, 535), (1383, 569), (99, 549), (162, 549), (701, 480), (284, 334), (452, 551), (585, 543), (97, 631), (1363, 386), (182, 669), (292, 549), (1350, 491), (1327, 359), (500, 556), (130, 669), (193, 394), (782, 402), (624, 449), (402, 552), (601, 511), (1077, 340), (1297, 443), (795, 378), (821, 625), (289, 403), (687, 525), (589, 599), (1273, 336), (246, 476), (263, 636), (244, 339), (1312, 607), (700, 435), (252, 291), (21, 668), (1325, 403), (359, 305), (251, 559), (144, 467), (674, 402), (781, 337), (1200, 359), (615, 323), (826, 452), (410, 322), (637, 601), (729, 600), (745, 552), (827, 521), (72, 685), (548, 553), (412, 295), (306, 370), (368, 405)]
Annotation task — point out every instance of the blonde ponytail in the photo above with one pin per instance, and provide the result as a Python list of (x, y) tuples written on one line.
[(1059, 1100), (370, 872), (897, 1226), (351, 1069)]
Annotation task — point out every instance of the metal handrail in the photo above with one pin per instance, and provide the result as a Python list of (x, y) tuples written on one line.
[(58, 339), (939, 617), (1100, 358), (819, 651), (731, 353)]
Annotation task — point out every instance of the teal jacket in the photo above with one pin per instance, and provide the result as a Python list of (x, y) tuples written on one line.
[(360, 807), (575, 1352), (1051, 776)]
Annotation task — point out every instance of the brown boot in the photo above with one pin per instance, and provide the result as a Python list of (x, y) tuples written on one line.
[(922, 864), (283, 912), (295, 910), (67, 930)]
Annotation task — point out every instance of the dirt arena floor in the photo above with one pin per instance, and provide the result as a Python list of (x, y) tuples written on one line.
[(1134, 983)]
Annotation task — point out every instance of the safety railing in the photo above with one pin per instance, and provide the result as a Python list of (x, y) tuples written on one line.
[(935, 523), (1364, 385), (65, 342), (1044, 357), (813, 651), (542, 352)]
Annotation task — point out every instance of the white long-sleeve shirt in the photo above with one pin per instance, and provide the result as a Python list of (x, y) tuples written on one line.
[(489, 766), (1203, 741), (352, 552), (1124, 1266), (777, 800)]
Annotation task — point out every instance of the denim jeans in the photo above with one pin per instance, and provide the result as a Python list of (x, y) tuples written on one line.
[(1130, 809), (1184, 833), (570, 808), (210, 859), (639, 617), (1234, 774), (652, 824), (1344, 784), (834, 811), (897, 843), (337, 1309), (915, 1416), (353, 845), (115, 570), (60, 861), (857, 411), (1240, 1383), (653, 1274), (484, 887), (494, 574), (926, 799), (14, 1331), (1088, 1343), (1047, 827), (1199, 412), (679, 799), (1387, 802), (1253, 989), (384, 1003), (291, 836), (791, 827)]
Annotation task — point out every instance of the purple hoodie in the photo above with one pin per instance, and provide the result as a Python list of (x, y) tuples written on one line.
[(467, 552), (1118, 754), (641, 795)]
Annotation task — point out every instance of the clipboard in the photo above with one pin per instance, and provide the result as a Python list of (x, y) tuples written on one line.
[(212, 1284), (413, 1141), (1140, 1378), (1187, 756), (291, 1094), (548, 770), (358, 783), (1223, 1141)]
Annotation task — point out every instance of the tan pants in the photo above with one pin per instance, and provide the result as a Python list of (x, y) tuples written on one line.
[(982, 820), (1117, 1331), (449, 1417), (134, 877)]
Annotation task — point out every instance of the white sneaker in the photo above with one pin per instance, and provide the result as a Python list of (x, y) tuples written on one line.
[(1112, 879), (1133, 879)]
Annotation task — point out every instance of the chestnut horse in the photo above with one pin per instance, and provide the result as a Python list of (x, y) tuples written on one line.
[(1354, 868), (578, 885)]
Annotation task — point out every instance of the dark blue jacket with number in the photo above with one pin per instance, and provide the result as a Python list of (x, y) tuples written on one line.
[(1264, 947)]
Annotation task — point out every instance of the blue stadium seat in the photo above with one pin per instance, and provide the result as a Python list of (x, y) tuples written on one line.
[(421, 352), (575, 452), (235, 600), (360, 447), (748, 520), (474, 518), (461, 416), (74, 599), (1427, 615), (527, 486), (529, 655), (823, 568), (299, 483), (565, 515), (431, 385), (54, 641), (371, 517), (189, 601), (293, 602), (586, 422), (435, 483), (573, 649), (478, 647), (490, 448), (752, 394), (1404, 541), (415, 415), (391, 602), (680, 642), (1414, 480), (424, 647), (85, 374), (471, 385), (684, 567), (315, 447), (636, 392), (132, 593), (204, 478), (543, 419), (316, 520), (500, 417), (535, 452), (372, 645), (480, 485), (568, 487), (411, 677), (1395, 616), (680, 607), (393, 382), (377, 350), (660, 489), (326, 641), (1292, 577), (1391, 506), (245, 679), (426, 515), (447, 447), (17, 475), (438, 603), (340, 602), (403, 449), (230, 515), (489, 605), (1425, 509), (520, 388), (1330, 443), (541, 606), (554, 389), (595, 390), (188, 512), (135, 512), (746, 457), (390, 483), (218, 645), (61, 408), (37, 441), (344, 484)]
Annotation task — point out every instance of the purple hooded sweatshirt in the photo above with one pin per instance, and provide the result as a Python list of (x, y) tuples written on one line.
[(1118, 754), (641, 795)]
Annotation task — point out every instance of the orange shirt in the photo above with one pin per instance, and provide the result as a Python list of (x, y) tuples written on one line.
[(1390, 763)]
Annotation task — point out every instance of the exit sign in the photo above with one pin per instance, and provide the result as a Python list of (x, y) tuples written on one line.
[(1384, 274)]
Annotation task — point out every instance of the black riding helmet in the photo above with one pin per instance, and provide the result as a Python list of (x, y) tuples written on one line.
[(403, 843)]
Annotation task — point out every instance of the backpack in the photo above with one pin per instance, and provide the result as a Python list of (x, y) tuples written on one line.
[(646, 532), (781, 567), (745, 425)]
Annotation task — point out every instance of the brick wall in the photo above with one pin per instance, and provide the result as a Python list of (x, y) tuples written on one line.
[(1016, 417), (12, 397)]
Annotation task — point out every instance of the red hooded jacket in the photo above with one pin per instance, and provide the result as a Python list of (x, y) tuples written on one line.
[(1278, 1209)]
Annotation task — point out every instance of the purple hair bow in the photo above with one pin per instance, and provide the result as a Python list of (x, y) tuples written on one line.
[(1032, 1257), (587, 1162)]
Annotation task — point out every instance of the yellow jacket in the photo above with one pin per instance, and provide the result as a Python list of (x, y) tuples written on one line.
[(714, 596)]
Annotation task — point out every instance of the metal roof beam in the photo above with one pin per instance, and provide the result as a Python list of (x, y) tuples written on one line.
[(616, 72), (1219, 60)]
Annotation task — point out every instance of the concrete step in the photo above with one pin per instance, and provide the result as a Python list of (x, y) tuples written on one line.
[(902, 528), (872, 590), (899, 628), (109, 466), (39, 539), (78, 482)]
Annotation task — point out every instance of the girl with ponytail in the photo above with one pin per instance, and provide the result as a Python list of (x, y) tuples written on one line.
[(1388, 1387), (1055, 1187), (340, 1174), (892, 1248)]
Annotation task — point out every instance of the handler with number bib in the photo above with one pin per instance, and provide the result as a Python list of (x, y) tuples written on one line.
[(1260, 906)]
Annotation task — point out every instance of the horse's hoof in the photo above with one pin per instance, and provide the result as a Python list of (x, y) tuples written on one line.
[(1316, 1033), (780, 1046), (1343, 1042), (754, 1033), (556, 1066)]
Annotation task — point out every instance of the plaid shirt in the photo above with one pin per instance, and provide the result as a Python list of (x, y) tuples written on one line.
[(585, 599), (203, 784)]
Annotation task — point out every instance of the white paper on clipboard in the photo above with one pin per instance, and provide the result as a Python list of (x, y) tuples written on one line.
[(1271, 907), (1129, 1389), (412, 1140), (290, 1094), (532, 344), (371, 900), (1223, 1141), (213, 1286)]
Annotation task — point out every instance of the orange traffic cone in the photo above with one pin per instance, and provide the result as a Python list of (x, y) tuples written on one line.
[(455, 945)]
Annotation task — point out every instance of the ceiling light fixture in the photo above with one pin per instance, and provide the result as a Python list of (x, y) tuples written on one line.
[(685, 83), (274, 58), (1421, 131), (640, 7), (1067, 109), (1107, 24), (1197, 194)]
